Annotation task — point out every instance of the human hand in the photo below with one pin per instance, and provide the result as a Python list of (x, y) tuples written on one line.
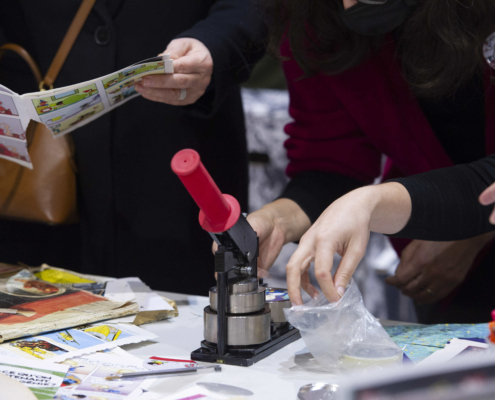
[(488, 197), (276, 224), (193, 67), (344, 228), (429, 271)]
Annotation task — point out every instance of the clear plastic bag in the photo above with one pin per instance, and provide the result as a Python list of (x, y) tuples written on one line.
[(344, 335)]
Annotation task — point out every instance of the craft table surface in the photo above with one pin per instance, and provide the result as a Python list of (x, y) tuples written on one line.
[(279, 376)]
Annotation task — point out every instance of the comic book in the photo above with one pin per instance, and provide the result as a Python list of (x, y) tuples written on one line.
[(65, 109)]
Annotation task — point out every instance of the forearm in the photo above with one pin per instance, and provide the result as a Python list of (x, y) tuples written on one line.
[(445, 202)]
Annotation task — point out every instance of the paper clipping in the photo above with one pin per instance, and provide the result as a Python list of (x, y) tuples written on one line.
[(68, 343), (42, 378), (86, 377)]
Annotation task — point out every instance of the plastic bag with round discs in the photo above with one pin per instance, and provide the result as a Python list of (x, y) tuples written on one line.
[(344, 335)]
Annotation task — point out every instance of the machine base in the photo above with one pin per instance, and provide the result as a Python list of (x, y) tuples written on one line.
[(244, 356)]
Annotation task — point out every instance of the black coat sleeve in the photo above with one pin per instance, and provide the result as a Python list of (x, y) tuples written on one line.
[(234, 33), (314, 191), (445, 202)]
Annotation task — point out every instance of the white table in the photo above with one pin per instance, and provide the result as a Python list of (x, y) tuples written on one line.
[(278, 376)]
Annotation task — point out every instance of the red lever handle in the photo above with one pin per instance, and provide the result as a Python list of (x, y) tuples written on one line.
[(219, 212)]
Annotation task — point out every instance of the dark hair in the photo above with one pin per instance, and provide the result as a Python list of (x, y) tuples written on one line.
[(440, 45)]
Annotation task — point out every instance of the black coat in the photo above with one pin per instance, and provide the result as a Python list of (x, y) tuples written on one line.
[(136, 217)]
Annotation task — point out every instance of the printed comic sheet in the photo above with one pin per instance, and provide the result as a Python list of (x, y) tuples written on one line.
[(65, 109)]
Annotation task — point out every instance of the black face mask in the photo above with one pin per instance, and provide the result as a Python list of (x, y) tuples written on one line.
[(374, 20)]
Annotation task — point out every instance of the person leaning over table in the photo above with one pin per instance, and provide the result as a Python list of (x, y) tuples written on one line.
[(406, 79), (136, 217), (437, 205)]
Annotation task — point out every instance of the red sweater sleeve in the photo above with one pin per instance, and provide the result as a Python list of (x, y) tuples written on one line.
[(324, 137)]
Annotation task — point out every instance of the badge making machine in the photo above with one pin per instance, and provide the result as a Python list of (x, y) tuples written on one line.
[(244, 322)]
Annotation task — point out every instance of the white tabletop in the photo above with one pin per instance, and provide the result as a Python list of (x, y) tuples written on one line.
[(279, 376)]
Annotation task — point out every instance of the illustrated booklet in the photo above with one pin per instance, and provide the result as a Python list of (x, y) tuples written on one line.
[(65, 109)]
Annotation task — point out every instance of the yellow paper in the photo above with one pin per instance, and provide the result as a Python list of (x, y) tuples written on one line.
[(57, 276)]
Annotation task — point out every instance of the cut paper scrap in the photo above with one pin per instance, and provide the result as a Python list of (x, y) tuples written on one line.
[(86, 377), (422, 340), (56, 306), (42, 378), (56, 275), (74, 342), (152, 307)]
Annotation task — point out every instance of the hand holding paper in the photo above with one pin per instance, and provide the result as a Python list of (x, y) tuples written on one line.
[(193, 67)]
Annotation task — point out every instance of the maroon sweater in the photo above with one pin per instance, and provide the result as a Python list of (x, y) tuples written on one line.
[(344, 123)]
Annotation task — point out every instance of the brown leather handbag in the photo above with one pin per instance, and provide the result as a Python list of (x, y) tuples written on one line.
[(47, 193)]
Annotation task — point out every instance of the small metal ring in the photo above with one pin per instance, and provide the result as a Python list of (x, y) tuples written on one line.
[(42, 86)]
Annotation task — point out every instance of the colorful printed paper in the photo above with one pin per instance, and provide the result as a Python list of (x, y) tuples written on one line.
[(74, 342), (419, 341), (65, 109), (52, 306), (86, 377), (42, 378)]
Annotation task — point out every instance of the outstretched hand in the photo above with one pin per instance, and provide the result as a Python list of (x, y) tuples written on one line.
[(344, 228), (193, 67)]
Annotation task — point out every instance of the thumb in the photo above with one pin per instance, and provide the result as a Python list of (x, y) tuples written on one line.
[(177, 48)]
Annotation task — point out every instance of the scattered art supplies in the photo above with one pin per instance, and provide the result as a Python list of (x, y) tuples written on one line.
[(55, 306), (42, 378), (87, 377), (65, 109)]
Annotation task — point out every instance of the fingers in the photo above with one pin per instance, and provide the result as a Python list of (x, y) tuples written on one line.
[(488, 195), (170, 81), (297, 265), (307, 286), (177, 48), (408, 269), (323, 271), (168, 96), (351, 259)]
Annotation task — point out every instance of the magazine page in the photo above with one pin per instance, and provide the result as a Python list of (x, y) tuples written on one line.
[(65, 109), (13, 124)]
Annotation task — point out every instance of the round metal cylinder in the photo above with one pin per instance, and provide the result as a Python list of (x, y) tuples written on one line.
[(277, 299), (244, 286), (241, 303), (242, 330)]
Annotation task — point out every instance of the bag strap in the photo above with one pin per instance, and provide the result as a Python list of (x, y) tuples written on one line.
[(21, 51), (66, 45)]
